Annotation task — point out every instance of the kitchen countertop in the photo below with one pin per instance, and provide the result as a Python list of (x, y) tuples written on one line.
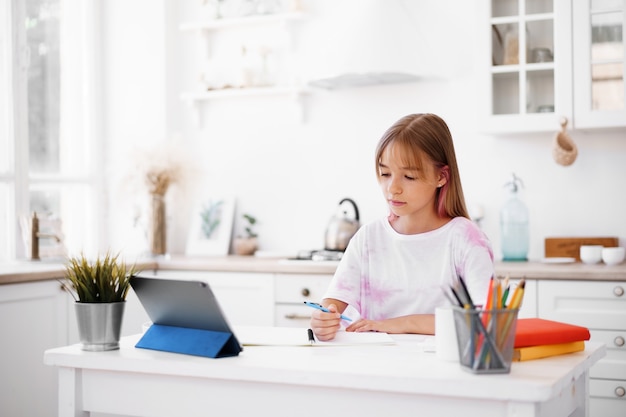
[(26, 271)]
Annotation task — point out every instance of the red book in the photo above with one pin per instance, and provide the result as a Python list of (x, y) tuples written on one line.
[(536, 331)]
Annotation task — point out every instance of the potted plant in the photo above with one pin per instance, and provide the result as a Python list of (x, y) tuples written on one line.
[(247, 244), (99, 288)]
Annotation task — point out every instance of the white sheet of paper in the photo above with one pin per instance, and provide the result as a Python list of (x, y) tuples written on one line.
[(294, 336)]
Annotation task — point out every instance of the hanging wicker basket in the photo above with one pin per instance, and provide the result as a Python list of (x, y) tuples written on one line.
[(564, 150)]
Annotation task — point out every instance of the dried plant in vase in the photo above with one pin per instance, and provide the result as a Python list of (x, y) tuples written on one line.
[(159, 169)]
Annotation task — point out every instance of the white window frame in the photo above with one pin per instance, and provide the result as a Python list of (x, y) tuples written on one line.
[(81, 114)]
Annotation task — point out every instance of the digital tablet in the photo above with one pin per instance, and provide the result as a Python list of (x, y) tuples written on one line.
[(182, 303)]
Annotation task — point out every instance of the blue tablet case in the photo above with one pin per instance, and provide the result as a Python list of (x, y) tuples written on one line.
[(186, 318), (187, 341)]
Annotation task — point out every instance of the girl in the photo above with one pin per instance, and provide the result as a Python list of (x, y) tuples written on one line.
[(395, 270)]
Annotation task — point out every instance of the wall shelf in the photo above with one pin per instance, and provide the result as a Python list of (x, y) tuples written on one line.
[(205, 29), (240, 22)]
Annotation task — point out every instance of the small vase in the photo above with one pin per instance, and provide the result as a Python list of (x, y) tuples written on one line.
[(99, 325), (245, 245), (158, 246)]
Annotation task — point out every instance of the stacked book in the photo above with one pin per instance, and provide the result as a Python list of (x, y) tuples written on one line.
[(539, 338)]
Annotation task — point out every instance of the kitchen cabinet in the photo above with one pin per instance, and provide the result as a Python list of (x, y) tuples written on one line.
[(247, 299), (291, 291), (34, 318), (252, 73), (598, 63), (601, 307), (536, 74), (261, 299)]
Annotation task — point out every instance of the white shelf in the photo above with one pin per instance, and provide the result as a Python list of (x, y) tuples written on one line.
[(530, 67), (219, 24), (500, 20)]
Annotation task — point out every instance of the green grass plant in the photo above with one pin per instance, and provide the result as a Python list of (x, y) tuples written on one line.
[(105, 280)]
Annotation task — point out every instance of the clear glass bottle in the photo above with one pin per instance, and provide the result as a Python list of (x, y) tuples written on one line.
[(514, 232)]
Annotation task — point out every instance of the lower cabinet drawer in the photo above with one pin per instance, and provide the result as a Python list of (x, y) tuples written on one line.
[(291, 315), (594, 304), (613, 365), (293, 288), (607, 398), (291, 291)]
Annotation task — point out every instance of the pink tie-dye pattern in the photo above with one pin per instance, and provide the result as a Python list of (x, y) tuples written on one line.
[(374, 297), (475, 236)]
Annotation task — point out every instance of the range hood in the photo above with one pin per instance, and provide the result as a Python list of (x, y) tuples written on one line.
[(357, 43)]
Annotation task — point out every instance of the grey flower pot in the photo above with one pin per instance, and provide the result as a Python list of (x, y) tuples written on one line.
[(99, 325)]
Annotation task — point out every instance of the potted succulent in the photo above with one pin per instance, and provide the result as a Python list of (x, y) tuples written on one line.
[(247, 244), (99, 288)]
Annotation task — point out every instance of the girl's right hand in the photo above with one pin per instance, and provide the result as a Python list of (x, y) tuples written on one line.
[(326, 325)]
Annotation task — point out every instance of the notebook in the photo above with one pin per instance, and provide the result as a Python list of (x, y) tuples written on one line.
[(186, 317), (297, 336), (536, 331)]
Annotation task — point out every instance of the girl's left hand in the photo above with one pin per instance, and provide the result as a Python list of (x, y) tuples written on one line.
[(365, 325)]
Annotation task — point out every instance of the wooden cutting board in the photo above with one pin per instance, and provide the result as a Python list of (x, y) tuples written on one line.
[(569, 247)]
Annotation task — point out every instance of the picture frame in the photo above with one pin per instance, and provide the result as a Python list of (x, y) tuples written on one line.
[(211, 226)]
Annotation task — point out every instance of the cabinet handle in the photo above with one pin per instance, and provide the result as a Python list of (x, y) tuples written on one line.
[(296, 317), (305, 292), (619, 341), (620, 391), (618, 291)]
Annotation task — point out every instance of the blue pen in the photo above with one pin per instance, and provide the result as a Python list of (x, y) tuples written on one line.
[(324, 309)]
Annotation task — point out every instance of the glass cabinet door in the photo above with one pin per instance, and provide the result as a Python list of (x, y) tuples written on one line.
[(523, 55), (599, 65), (527, 62)]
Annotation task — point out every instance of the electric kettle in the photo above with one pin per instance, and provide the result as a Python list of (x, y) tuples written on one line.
[(342, 227)]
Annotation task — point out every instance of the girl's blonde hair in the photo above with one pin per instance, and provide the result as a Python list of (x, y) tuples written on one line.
[(426, 135)]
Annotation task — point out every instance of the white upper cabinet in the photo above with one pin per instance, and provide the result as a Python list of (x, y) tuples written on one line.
[(549, 59), (599, 70)]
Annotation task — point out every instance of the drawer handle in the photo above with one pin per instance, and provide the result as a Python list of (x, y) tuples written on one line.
[(620, 391), (305, 292), (296, 317), (618, 291), (619, 341)]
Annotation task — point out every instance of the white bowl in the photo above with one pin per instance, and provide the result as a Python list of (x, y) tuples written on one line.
[(613, 256), (591, 254)]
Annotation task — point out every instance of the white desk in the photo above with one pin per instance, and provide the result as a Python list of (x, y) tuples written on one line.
[(399, 380)]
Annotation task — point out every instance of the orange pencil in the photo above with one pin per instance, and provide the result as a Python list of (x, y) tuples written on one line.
[(489, 295)]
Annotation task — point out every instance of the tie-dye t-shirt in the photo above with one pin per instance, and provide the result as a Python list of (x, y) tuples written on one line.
[(384, 274)]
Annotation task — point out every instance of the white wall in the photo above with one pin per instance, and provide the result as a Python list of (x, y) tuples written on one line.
[(291, 176)]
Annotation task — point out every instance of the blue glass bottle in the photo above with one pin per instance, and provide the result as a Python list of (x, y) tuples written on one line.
[(514, 232)]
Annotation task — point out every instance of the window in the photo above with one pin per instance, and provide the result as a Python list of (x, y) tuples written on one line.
[(47, 125)]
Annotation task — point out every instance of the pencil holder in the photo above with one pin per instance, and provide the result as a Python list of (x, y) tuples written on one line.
[(485, 339)]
